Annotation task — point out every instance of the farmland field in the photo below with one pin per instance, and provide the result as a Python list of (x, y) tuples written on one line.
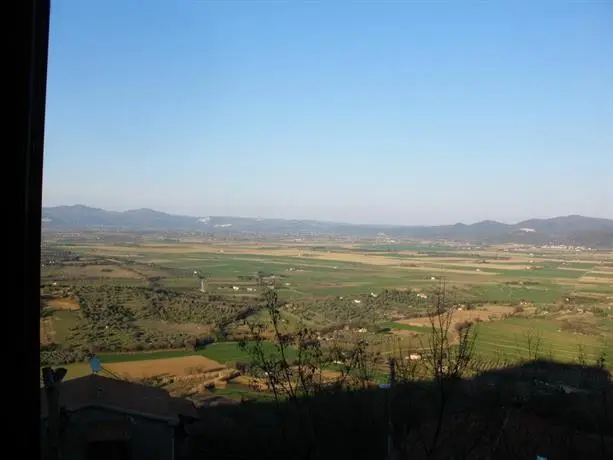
[(490, 313), (177, 366), (560, 299), (509, 338)]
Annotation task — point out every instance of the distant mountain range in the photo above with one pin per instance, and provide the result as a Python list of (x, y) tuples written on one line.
[(573, 230)]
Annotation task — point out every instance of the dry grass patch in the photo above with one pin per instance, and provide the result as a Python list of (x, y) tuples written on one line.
[(192, 387), (434, 268), (490, 313), (331, 376), (159, 261), (47, 332), (577, 270), (404, 332), (63, 304), (597, 279), (473, 264), (159, 367), (138, 251), (102, 271), (603, 271), (252, 382), (341, 257)]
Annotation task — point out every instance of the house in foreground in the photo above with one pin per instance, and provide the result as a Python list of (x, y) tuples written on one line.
[(103, 418)]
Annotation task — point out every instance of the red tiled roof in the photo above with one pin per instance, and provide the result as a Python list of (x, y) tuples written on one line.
[(121, 395)]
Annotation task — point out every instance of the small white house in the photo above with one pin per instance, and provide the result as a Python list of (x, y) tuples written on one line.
[(414, 356), (357, 301), (235, 288)]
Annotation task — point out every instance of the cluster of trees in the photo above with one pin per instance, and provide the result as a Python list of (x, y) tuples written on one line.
[(125, 304), (109, 314), (51, 355), (212, 309), (387, 304)]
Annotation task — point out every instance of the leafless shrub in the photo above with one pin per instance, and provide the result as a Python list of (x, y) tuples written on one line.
[(534, 342), (297, 380)]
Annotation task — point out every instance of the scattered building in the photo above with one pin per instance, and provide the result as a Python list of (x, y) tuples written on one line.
[(112, 418)]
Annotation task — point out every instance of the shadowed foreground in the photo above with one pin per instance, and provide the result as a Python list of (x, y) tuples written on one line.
[(539, 408)]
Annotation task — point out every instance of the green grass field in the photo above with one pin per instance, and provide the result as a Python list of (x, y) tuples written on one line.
[(225, 352), (221, 352), (542, 293), (510, 338), (360, 269), (316, 276), (405, 327)]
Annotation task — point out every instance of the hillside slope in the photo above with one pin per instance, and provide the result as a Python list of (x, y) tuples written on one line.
[(575, 230)]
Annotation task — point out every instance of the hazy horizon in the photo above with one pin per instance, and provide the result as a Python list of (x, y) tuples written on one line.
[(391, 113), (170, 212)]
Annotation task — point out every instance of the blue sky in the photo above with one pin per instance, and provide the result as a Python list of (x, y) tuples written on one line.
[(386, 112)]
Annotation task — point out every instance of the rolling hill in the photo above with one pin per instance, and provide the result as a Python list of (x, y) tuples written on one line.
[(574, 229)]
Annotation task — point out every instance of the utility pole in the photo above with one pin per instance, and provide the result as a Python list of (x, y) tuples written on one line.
[(51, 381), (201, 278)]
